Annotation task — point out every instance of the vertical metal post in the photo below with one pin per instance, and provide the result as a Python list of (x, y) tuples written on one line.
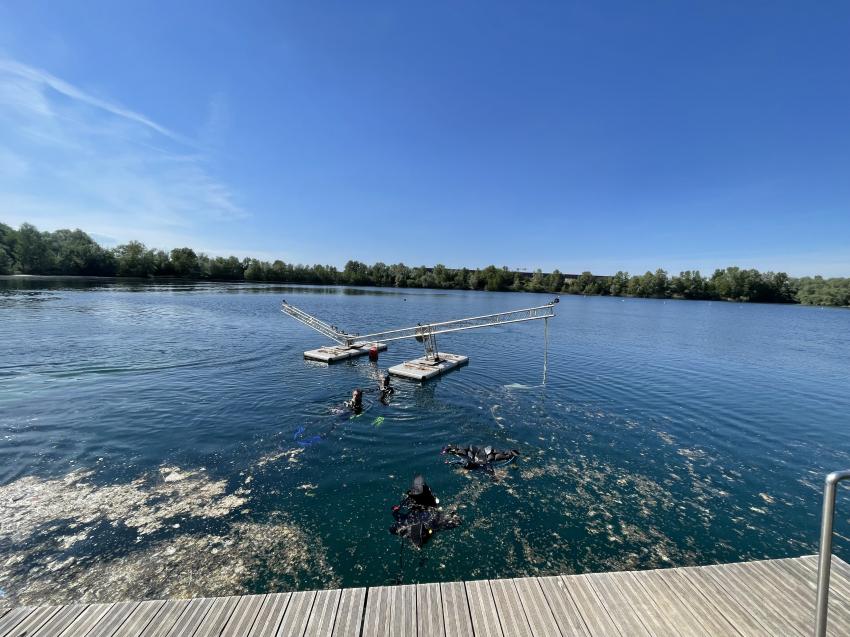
[(545, 347), (825, 556)]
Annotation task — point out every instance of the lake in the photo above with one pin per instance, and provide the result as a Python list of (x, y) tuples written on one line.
[(170, 439)]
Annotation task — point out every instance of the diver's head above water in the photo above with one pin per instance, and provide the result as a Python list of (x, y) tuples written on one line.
[(420, 493)]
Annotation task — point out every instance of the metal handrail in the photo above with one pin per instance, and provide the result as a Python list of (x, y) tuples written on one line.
[(825, 557)]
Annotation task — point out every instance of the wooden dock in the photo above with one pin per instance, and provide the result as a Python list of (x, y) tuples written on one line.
[(334, 353), (772, 597), (424, 368)]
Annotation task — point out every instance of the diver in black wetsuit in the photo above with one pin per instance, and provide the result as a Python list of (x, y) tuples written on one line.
[(485, 458), (418, 515), (356, 402), (387, 389)]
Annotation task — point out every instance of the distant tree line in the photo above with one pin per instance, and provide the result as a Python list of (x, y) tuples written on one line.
[(72, 252)]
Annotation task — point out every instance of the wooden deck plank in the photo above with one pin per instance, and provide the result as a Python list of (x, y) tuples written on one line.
[(165, 619), (390, 610), (482, 609), (429, 611), (838, 565), (217, 616), (563, 607), (403, 611), (767, 597), (721, 599), (113, 619), (14, 617), (754, 602), (349, 613), (323, 613), (648, 609), (809, 573), (619, 609), (456, 618), (187, 623), (297, 614), (671, 607), (32, 622), (141, 617), (782, 601), (596, 617), (541, 622), (60, 621), (271, 615), (838, 575), (509, 607), (86, 620), (376, 621), (685, 598), (243, 616), (801, 592)]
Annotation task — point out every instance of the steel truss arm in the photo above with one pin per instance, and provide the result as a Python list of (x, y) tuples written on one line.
[(421, 332), (320, 326), (489, 320)]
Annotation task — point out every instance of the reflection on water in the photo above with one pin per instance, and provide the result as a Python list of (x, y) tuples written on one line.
[(169, 440)]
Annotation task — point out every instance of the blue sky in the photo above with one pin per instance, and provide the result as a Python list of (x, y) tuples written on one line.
[(576, 135)]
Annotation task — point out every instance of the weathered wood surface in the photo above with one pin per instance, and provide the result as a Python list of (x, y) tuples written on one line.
[(423, 368), (753, 599)]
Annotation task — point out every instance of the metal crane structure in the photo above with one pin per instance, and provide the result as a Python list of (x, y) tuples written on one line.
[(434, 362)]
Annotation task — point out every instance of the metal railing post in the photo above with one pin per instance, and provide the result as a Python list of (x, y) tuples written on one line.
[(825, 556)]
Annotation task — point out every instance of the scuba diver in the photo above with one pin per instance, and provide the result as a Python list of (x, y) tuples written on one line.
[(484, 458), (387, 389), (356, 402), (418, 515)]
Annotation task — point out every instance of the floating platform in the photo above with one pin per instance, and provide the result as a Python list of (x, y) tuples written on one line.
[(334, 353), (424, 368)]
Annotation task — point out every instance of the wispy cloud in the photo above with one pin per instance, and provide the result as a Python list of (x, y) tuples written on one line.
[(70, 158), (30, 78)]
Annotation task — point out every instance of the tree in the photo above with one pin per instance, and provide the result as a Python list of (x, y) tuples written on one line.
[(5, 261), (226, 269), (134, 259), (442, 276), (32, 251), (517, 285), (356, 273), (76, 253), (619, 284), (7, 249), (185, 263), (660, 282), (554, 282), (460, 280), (536, 283), (256, 270)]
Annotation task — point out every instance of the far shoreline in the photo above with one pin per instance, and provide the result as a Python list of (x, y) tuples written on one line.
[(172, 279)]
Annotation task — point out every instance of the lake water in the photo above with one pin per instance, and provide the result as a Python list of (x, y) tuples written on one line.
[(171, 440)]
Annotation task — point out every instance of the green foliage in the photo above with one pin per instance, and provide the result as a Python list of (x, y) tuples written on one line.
[(553, 282), (73, 252), (185, 264), (134, 259), (537, 282), (7, 249), (820, 291), (32, 251)]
